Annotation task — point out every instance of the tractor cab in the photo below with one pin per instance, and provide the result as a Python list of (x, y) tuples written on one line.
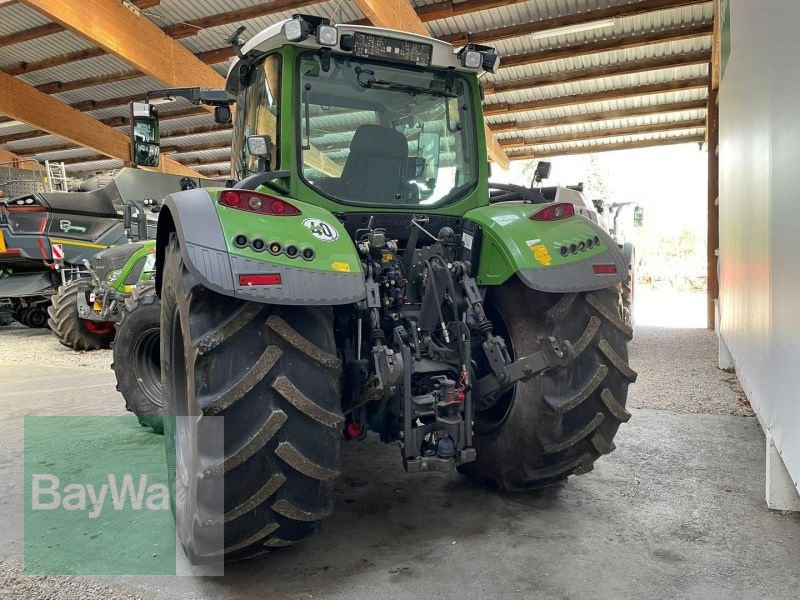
[(347, 114)]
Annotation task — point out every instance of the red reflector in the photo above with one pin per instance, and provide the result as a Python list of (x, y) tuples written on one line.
[(268, 279), (25, 208), (605, 269), (554, 212), (256, 202)]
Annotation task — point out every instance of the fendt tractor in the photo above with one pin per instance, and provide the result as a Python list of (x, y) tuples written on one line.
[(357, 274)]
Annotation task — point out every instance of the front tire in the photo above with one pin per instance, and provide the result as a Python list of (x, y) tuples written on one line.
[(137, 357), (65, 323), (273, 374), (560, 423)]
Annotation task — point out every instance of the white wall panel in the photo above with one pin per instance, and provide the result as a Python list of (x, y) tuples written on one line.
[(760, 214)]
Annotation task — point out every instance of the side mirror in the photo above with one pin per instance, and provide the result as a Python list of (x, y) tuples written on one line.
[(542, 171), (638, 216), (145, 135)]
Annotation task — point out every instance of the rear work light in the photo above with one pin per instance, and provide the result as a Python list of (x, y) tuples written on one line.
[(256, 202), (554, 212), (605, 269), (265, 279)]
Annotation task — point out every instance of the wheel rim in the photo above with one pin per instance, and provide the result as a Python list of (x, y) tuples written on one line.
[(147, 364), (99, 327)]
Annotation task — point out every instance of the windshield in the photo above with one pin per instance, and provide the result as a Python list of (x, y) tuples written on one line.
[(376, 134)]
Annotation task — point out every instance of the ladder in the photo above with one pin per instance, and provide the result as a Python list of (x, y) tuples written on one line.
[(56, 176)]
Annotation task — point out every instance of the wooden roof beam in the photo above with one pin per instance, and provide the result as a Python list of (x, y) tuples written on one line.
[(191, 28), (606, 95), (609, 45), (582, 18), (25, 103), (582, 119), (681, 139), (672, 61), (9, 159), (522, 141), (136, 40), (26, 35), (132, 38), (399, 14)]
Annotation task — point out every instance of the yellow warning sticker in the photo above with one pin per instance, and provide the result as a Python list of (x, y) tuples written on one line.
[(342, 267), (541, 254), (2, 242)]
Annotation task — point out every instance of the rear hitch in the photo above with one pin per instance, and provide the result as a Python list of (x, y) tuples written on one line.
[(554, 354)]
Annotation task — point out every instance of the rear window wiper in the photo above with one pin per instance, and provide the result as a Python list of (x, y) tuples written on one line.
[(371, 82)]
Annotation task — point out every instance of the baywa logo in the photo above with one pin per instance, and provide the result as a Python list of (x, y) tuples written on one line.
[(97, 498), (122, 494)]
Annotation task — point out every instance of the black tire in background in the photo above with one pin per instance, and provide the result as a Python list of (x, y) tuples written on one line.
[(67, 326), (34, 316), (559, 424), (137, 356), (272, 372)]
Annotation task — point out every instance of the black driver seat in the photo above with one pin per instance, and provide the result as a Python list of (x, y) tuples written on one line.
[(375, 170)]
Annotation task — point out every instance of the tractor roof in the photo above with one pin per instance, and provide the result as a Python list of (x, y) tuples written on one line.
[(442, 55)]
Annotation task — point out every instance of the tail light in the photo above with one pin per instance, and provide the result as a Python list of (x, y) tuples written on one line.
[(256, 202), (554, 212)]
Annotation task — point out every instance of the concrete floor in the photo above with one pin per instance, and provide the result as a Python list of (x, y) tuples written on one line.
[(676, 512)]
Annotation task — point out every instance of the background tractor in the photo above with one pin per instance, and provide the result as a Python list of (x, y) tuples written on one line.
[(359, 273)]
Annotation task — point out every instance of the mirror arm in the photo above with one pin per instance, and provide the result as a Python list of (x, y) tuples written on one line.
[(194, 95)]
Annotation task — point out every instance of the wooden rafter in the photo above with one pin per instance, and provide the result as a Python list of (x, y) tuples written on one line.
[(26, 35), (597, 134), (606, 95), (672, 61), (616, 43), (398, 14), (681, 139), (25, 103), (584, 118), (140, 43), (581, 18), (131, 38)]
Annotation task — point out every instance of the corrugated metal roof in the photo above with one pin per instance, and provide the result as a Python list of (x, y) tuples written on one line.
[(17, 17)]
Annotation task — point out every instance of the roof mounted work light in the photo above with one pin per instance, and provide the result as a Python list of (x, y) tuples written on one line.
[(477, 56), (300, 27)]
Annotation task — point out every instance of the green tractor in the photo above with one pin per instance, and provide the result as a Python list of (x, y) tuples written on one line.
[(360, 273)]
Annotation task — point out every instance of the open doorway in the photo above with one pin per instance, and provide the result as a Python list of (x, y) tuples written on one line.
[(656, 199)]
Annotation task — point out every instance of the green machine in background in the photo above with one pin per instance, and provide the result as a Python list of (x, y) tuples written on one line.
[(359, 272)]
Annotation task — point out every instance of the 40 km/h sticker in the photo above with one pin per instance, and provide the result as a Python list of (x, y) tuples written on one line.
[(321, 230)]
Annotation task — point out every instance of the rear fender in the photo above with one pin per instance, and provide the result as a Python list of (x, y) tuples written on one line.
[(206, 232), (512, 243)]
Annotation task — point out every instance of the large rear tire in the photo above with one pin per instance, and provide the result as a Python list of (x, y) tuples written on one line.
[(137, 356), (72, 331), (273, 374), (559, 424)]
